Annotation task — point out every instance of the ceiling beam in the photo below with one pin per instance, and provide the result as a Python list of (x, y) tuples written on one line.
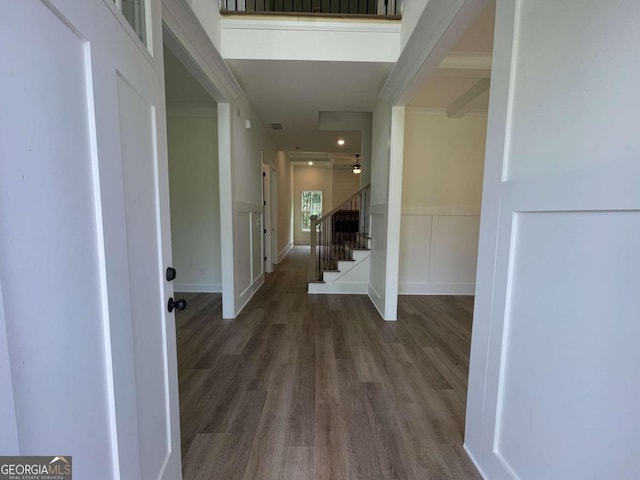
[(440, 26), (462, 104), (466, 65)]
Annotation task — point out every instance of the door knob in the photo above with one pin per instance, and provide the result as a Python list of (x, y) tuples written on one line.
[(170, 274), (179, 304)]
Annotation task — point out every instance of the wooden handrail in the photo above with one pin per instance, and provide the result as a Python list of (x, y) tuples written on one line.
[(352, 197)]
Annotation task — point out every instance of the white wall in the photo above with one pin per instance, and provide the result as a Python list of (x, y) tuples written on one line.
[(195, 198), (344, 184), (307, 177), (240, 159), (554, 377), (441, 194), (285, 204), (310, 39), (208, 13)]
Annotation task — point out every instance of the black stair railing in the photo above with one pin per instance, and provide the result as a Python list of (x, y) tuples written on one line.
[(334, 7), (334, 236)]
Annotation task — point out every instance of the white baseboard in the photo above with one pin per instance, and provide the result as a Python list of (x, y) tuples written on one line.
[(417, 288), (198, 287), (283, 253), (376, 299), (474, 461), (257, 283), (338, 288), (251, 291)]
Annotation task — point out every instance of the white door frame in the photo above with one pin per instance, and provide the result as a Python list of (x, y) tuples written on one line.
[(274, 214), (266, 214), (188, 41)]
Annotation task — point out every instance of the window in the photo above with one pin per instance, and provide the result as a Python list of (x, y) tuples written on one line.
[(135, 12), (311, 205)]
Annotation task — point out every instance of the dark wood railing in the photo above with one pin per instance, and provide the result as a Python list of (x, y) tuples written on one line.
[(318, 7), (336, 234)]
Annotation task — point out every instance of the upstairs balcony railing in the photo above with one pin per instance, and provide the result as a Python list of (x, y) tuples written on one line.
[(371, 8)]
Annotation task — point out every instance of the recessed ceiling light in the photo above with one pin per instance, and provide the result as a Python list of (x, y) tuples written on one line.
[(341, 142), (310, 163)]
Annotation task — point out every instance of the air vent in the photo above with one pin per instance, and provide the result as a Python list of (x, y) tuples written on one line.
[(276, 126)]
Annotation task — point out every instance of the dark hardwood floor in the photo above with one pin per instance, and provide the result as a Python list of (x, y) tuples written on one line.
[(319, 387)]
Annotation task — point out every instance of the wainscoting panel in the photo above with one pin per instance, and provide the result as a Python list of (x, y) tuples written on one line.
[(243, 244), (438, 250), (569, 385), (248, 241)]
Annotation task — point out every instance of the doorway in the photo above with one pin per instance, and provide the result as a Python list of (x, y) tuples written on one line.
[(193, 180)]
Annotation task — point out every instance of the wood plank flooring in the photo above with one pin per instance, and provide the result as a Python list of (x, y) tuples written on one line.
[(319, 387)]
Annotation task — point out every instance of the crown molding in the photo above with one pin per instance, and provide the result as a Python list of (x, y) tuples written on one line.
[(303, 24), (439, 112), (438, 29), (187, 39), (185, 110), (466, 61)]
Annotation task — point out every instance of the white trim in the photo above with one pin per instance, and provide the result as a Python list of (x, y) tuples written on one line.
[(253, 288), (359, 288), (372, 292), (285, 251), (145, 48), (446, 210), (185, 110), (464, 103), (198, 287), (257, 284), (439, 27), (396, 157), (267, 220), (426, 288), (309, 25), (474, 461), (225, 166), (187, 39), (273, 189), (247, 207), (441, 111), (467, 61)]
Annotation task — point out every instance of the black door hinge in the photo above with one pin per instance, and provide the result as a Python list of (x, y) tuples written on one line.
[(265, 230), (265, 259), (264, 202), (264, 174)]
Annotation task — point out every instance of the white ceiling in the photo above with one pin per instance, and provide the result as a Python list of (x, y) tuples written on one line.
[(445, 86), (294, 92)]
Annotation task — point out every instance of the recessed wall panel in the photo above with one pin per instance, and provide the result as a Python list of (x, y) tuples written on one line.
[(568, 402)]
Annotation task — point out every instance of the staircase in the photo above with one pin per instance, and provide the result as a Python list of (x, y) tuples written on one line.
[(340, 243)]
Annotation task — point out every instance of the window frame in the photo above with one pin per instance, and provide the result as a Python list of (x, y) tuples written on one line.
[(312, 211)]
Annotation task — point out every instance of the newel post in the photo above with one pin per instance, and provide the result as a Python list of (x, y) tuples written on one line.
[(313, 260)]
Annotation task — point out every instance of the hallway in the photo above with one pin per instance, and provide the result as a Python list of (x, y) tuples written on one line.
[(303, 387)]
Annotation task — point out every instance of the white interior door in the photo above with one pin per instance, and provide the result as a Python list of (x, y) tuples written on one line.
[(555, 365), (85, 236)]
